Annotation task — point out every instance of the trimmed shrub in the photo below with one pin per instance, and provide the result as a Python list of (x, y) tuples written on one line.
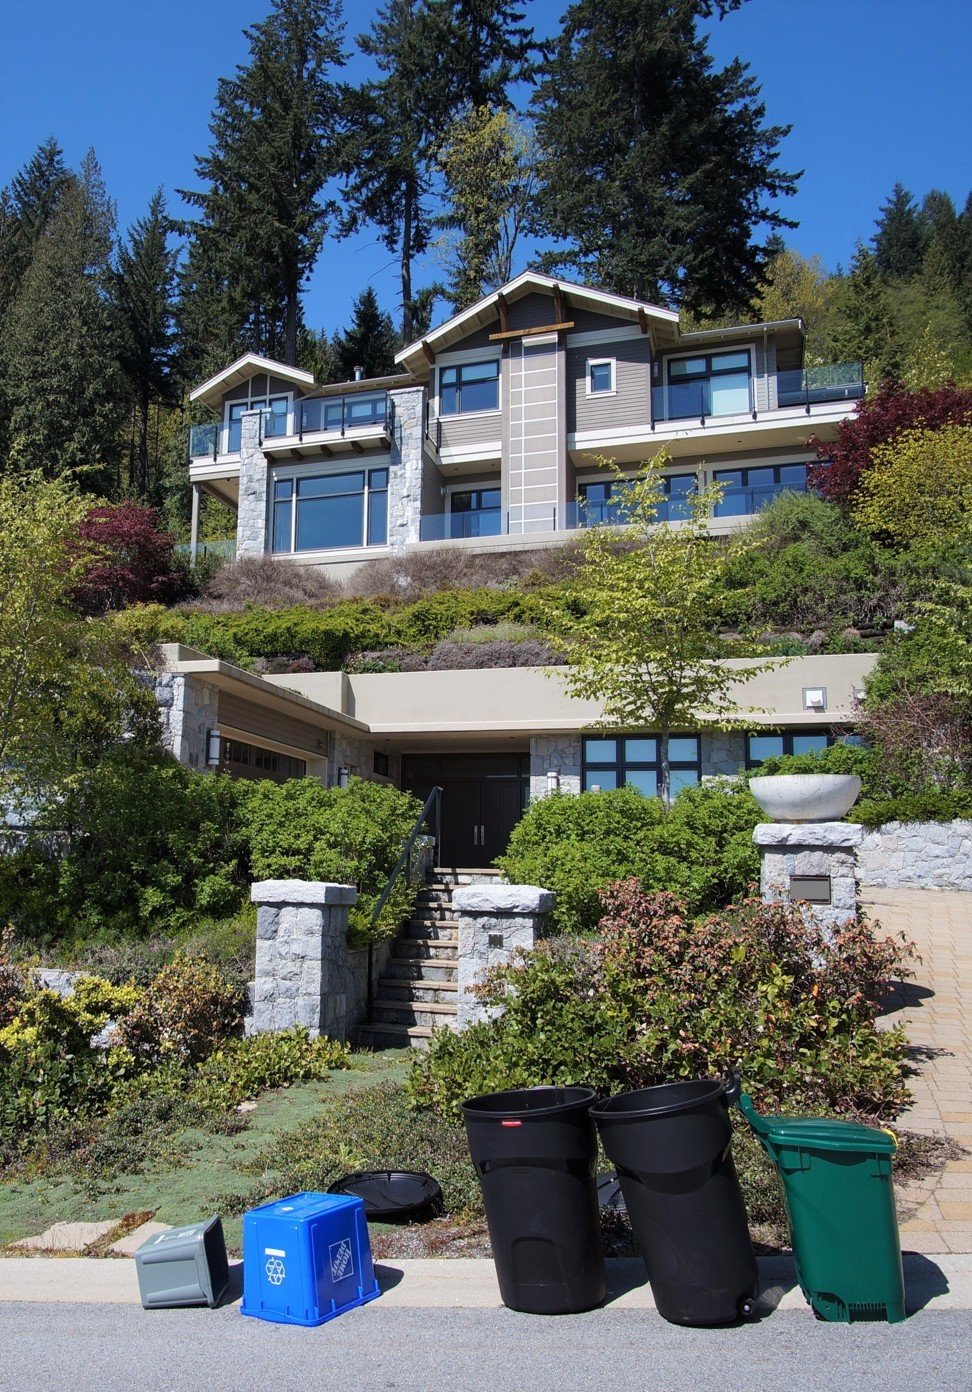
[(352, 835), (659, 995), (701, 848), (185, 1012)]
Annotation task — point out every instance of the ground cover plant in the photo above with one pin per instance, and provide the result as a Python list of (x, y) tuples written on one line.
[(659, 994)]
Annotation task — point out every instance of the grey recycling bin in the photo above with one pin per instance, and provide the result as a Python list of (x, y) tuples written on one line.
[(184, 1266)]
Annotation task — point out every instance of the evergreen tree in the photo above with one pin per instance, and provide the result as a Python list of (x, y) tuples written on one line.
[(144, 288), (436, 58), (60, 354), (370, 342), (868, 331), (26, 208), (274, 149), (488, 163), (657, 169), (899, 243)]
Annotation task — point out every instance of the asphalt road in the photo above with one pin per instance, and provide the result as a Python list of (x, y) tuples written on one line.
[(105, 1348)]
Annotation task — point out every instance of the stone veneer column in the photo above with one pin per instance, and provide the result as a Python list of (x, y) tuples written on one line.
[(251, 517), (810, 849), (188, 710), (303, 966), (405, 467), (494, 922), (560, 754)]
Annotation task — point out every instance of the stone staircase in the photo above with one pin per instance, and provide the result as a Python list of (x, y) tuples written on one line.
[(417, 990)]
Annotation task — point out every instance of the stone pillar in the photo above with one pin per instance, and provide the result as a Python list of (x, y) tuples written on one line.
[(405, 467), (251, 518), (494, 922), (814, 862), (554, 754), (303, 966), (188, 710)]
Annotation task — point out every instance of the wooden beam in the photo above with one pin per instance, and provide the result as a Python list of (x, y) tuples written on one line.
[(642, 320), (296, 454), (327, 452), (503, 315), (429, 355), (358, 448), (529, 333), (560, 304)]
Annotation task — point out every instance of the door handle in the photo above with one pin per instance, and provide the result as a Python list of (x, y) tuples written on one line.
[(475, 835), (482, 836)]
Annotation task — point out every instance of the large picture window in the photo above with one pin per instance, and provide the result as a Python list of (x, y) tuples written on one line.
[(711, 384), (327, 512), (746, 491), (469, 387), (614, 762), (243, 760), (475, 512), (604, 501)]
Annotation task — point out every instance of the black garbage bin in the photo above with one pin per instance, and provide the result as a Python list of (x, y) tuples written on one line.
[(672, 1149), (535, 1150)]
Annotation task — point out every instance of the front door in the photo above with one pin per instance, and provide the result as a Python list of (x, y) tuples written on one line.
[(483, 797)]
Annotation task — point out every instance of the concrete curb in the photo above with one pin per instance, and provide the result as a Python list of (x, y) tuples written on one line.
[(465, 1283)]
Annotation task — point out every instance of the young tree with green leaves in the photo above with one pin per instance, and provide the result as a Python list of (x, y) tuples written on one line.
[(640, 629), (263, 219), (436, 57), (144, 286), (657, 169), (369, 342), (488, 162), (63, 387)]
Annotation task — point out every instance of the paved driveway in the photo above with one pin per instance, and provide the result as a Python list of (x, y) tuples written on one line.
[(936, 1010)]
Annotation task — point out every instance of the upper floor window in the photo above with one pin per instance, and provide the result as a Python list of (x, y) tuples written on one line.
[(275, 407), (634, 759), (329, 511), (711, 384), (600, 376), (469, 387), (746, 491)]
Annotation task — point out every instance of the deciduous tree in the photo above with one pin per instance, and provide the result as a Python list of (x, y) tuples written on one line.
[(917, 489)]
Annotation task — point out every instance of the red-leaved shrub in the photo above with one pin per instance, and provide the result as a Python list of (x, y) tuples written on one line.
[(128, 559)]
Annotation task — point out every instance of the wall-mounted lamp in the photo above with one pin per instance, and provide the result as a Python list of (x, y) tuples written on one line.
[(594, 788), (214, 741), (815, 698), (553, 781), (343, 776)]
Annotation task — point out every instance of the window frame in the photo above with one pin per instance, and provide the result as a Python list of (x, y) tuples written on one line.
[(588, 480), (611, 363), (746, 468), (455, 362), (261, 401), (748, 348), (295, 476), (463, 488), (787, 737), (621, 765)]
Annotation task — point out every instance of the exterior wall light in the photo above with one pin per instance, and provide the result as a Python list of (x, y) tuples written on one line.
[(815, 698), (343, 776), (553, 781), (213, 747)]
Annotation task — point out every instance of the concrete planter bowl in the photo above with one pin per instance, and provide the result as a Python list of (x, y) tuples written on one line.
[(806, 797)]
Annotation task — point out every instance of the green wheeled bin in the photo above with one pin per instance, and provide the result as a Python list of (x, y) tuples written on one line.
[(836, 1178)]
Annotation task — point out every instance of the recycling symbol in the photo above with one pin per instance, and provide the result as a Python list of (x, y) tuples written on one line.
[(275, 1271)]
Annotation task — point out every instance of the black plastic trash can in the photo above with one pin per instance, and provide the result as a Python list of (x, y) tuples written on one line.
[(672, 1149), (535, 1151)]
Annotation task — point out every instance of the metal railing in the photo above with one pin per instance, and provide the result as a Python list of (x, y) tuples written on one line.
[(809, 386), (828, 382), (433, 807), (313, 414)]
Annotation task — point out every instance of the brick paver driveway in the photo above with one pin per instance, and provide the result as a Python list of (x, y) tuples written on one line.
[(936, 1010)]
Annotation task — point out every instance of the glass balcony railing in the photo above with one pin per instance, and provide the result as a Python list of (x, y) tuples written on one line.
[(355, 411), (828, 382), (440, 526), (204, 440), (614, 512)]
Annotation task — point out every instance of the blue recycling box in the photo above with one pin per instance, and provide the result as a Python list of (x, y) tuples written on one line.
[(307, 1259)]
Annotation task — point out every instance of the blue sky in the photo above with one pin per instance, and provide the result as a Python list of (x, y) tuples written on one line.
[(876, 91)]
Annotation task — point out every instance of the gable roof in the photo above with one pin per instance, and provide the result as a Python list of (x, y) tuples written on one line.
[(484, 311), (245, 367)]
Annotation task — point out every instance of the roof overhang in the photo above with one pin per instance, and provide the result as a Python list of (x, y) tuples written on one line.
[(416, 355), (213, 389)]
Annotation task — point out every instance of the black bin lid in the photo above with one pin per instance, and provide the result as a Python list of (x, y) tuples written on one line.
[(391, 1194)]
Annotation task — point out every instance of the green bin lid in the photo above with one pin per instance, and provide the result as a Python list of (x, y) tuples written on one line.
[(817, 1133)]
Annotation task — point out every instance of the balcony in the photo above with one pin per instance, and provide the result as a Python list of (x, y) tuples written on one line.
[(314, 424), (809, 386), (706, 402)]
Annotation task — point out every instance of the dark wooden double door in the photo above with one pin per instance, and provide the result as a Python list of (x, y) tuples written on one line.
[(483, 797)]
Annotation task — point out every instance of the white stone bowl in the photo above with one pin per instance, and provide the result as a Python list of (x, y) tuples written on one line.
[(806, 797)]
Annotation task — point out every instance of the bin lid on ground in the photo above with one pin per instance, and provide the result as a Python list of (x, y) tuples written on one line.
[(389, 1194), (819, 1133)]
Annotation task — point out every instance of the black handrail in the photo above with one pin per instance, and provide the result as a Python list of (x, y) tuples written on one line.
[(433, 803)]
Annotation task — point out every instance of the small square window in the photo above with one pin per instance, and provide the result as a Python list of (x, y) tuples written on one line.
[(600, 376)]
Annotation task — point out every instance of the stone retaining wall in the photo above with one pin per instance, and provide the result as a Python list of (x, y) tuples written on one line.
[(916, 855), (495, 921)]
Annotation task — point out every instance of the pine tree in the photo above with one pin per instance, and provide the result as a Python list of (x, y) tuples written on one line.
[(868, 331), (144, 288), (27, 208), (63, 384), (658, 170), (489, 167), (899, 243), (437, 58), (273, 151), (370, 341)]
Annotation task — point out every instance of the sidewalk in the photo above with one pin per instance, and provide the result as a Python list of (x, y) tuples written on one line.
[(936, 1011)]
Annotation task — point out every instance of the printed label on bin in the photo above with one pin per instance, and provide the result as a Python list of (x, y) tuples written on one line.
[(342, 1259), (275, 1269)]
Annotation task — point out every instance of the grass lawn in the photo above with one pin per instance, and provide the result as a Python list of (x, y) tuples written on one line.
[(205, 1169)]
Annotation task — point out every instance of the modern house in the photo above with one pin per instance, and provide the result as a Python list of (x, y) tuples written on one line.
[(497, 431), (496, 434)]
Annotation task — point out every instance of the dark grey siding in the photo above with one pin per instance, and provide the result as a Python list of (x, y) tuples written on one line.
[(629, 406)]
